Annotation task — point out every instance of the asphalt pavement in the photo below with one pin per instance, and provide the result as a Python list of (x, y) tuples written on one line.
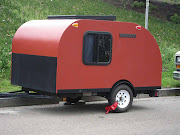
[(148, 116)]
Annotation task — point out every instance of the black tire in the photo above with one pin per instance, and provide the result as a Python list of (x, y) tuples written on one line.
[(73, 99), (124, 94)]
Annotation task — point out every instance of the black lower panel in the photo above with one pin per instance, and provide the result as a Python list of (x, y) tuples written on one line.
[(34, 72), (84, 90), (146, 90)]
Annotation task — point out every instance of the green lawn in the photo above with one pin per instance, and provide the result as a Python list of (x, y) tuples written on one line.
[(6, 86), (14, 13)]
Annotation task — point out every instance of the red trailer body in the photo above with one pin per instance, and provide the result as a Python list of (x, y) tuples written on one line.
[(54, 56)]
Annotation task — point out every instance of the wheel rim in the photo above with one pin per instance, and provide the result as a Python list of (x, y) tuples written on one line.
[(123, 98)]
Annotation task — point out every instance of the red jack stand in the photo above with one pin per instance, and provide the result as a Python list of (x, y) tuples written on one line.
[(112, 107)]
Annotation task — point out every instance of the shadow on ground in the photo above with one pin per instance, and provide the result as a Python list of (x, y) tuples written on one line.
[(90, 108)]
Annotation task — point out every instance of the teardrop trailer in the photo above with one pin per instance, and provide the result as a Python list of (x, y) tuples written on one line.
[(75, 56)]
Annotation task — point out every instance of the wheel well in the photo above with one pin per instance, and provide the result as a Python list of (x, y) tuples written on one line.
[(127, 83)]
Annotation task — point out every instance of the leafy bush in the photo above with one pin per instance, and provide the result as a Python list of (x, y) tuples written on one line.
[(178, 6), (153, 7), (137, 4), (175, 19)]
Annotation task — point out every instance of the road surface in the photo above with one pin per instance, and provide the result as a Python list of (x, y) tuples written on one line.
[(148, 116)]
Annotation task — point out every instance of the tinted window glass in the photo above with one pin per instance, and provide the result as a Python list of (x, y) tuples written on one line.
[(97, 48)]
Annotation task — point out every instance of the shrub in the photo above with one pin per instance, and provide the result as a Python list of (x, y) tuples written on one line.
[(175, 19), (153, 7), (137, 4), (178, 6)]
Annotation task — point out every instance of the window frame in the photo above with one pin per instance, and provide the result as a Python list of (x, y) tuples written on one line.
[(110, 52)]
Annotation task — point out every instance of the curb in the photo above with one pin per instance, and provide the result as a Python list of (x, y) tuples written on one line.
[(12, 100), (168, 92)]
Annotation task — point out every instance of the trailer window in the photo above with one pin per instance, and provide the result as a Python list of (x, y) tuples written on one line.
[(97, 48)]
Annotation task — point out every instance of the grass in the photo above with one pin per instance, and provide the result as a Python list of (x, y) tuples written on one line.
[(5, 86), (13, 13), (168, 81), (170, 1)]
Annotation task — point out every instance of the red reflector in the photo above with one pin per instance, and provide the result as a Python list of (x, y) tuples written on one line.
[(138, 27), (156, 94)]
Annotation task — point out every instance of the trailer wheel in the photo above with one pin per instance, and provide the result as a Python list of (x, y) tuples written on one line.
[(124, 97), (73, 99)]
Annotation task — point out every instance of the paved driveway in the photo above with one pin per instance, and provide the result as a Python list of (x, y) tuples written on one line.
[(148, 116)]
